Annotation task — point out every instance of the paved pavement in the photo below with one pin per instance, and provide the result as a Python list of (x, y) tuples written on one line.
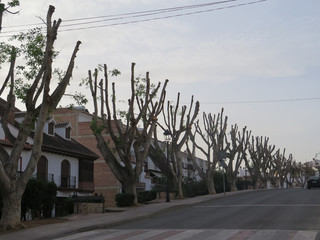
[(91, 225)]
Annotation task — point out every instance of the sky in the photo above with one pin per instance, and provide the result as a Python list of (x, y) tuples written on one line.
[(259, 60)]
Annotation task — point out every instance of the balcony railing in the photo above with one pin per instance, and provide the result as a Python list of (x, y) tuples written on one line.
[(19, 173), (68, 182), (49, 177)]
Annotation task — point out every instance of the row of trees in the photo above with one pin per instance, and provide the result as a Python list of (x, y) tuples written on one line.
[(147, 114), (140, 129), (135, 128)]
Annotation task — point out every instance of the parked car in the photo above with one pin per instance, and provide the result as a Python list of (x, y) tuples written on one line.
[(313, 181)]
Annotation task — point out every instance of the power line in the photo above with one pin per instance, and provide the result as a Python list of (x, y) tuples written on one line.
[(142, 13), (163, 17), (119, 17), (134, 14), (155, 11), (263, 101)]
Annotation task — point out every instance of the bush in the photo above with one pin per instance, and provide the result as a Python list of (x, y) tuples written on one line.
[(218, 182), (146, 196), (124, 199), (40, 197), (193, 188), (243, 184), (240, 184), (49, 199)]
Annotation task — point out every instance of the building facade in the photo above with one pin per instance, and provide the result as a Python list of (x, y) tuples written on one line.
[(80, 119), (105, 181), (64, 161)]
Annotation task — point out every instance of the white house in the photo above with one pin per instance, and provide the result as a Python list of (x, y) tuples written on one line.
[(64, 161), (151, 172)]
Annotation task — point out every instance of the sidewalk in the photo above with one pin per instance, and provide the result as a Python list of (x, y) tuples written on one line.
[(79, 223)]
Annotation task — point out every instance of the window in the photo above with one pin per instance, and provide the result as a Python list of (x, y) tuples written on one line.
[(65, 173), (42, 168), (85, 171), (68, 133), (51, 128)]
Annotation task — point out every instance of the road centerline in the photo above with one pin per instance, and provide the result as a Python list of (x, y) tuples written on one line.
[(259, 205)]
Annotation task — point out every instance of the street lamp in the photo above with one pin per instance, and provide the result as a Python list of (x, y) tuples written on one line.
[(167, 138)]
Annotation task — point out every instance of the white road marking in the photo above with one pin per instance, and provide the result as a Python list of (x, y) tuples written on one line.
[(181, 234), (260, 205)]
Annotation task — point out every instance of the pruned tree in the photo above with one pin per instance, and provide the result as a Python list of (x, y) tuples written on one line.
[(289, 178), (236, 152), (300, 173), (126, 150), (178, 122), (261, 156), (39, 100), (213, 138), (280, 167)]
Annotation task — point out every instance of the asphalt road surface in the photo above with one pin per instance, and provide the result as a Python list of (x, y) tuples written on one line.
[(279, 214), (288, 209)]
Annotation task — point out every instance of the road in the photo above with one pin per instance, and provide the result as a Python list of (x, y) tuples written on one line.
[(259, 215), (290, 209)]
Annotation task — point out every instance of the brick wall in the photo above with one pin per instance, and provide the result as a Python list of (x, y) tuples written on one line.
[(104, 180), (86, 208)]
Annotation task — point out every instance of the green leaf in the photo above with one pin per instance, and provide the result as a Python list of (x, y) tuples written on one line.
[(115, 72), (80, 99), (14, 3)]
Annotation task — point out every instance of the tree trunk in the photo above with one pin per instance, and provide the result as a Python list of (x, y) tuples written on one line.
[(233, 186), (264, 183), (176, 183), (232, 182), (180, 172), (210, 185), (281, 183), (210, 182), (180, 191), (131, 187), (11, 211)]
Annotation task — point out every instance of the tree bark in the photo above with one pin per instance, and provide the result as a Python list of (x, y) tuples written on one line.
[(177, 181), (177, 174), (210, 183), (232, 184), (131, 187), (11, 211)]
